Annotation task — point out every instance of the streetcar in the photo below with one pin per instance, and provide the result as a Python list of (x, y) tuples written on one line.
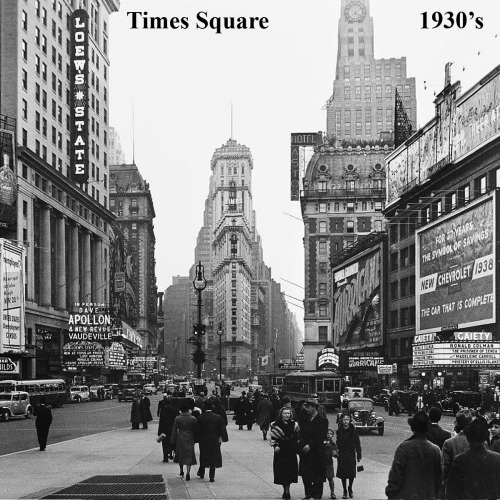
[(326, 385), (272, 382), (54, 390)]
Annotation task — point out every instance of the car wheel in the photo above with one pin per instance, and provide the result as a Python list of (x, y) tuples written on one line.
[(380, 430), (5, 415), (28, 414)]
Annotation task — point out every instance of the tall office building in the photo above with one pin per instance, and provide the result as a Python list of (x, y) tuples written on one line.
[(362, 104), (116, 154), (63, 224), (344, 187)]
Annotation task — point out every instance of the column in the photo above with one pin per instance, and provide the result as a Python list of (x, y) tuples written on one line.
[(61, 263), (99, 272), (87, 268), (45, 265), (74, 268)]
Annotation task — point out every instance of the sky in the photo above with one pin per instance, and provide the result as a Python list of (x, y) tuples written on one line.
[(171, 92)]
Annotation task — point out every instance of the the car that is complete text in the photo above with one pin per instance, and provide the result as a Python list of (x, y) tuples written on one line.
[(15, 404), (128, 392), (364, 416), (79, 393), (149, 389)]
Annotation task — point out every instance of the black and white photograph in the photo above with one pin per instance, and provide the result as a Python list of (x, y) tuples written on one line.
[(248, 249)]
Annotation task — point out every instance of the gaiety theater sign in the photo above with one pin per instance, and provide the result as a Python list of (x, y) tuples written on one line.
[(79, 103)]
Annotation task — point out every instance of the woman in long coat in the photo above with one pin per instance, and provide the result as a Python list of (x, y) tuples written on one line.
[(135, 413), (182, 438), (211, 433), (284, 440), (349, 449)]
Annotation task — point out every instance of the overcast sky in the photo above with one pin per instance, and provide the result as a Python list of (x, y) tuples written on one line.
[(181, 83)]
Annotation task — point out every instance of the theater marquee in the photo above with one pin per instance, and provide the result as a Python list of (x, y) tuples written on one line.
[(79, 100)]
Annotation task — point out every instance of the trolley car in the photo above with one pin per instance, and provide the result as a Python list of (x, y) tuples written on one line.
[(325, 384)]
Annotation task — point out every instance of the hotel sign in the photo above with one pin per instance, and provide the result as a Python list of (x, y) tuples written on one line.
[(79, 103), (299, 140)]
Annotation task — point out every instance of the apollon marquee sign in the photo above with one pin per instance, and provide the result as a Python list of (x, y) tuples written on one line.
[(79, 104)]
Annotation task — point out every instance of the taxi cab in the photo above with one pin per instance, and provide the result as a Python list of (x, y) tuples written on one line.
[(15, 404)]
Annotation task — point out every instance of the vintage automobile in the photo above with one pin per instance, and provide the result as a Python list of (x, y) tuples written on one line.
[(15, 404), (459, 400), (128, 392), (407, 401), (79, 393), (382, 397), (364, 416), (149, 389)]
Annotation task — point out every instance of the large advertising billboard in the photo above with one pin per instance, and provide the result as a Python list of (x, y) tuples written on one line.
[(456, 269), (357, 322)]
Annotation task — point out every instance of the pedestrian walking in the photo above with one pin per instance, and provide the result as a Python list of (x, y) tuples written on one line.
[(145, 409), (242, 411), (330, 454), (475, 473), (494, 427), (212, 433), (218, 409), (394, 404), (349, 450), (284, 439), (436, 434), (182, 439), (312, 457), (43, 421), (417, 468), (166, 413), (135, 413), (457, 444), (264, 414)]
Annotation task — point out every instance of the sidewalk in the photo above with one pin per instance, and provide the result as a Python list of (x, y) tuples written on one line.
[(246, 473)]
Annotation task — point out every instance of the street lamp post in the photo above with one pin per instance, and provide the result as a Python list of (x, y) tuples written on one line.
[(199, 284), (219, 333)]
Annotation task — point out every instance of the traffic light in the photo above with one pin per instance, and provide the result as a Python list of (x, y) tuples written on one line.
[(198, 357), (199, 329)]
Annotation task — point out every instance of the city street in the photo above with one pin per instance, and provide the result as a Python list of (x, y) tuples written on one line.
[(94, 439)]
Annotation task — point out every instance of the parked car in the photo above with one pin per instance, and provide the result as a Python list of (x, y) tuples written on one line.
[(407, 401), (15, 404), (79, 393), (127, 392), (364, 416), (149, 389), (458, 400)]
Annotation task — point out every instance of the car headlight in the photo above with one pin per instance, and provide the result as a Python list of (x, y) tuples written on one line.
[(356, 414)]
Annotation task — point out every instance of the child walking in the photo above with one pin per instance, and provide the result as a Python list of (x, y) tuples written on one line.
[(330, 452)]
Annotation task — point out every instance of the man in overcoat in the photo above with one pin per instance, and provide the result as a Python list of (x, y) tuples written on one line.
[(417, 468), (145, 409), (457, 444), (312, 465), (43, 415), (167, 414), (211, 434), (264, 414), (436, 434)]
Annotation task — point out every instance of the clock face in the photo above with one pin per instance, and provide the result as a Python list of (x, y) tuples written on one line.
[(355, 12)]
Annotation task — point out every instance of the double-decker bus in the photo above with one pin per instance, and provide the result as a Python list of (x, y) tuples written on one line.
[(54, 390), (326, 385)]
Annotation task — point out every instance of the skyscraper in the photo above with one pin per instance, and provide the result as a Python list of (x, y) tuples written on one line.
[(362, 104)]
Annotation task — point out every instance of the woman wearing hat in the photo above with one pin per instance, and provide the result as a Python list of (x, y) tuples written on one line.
[(349, 448), (494, 427)]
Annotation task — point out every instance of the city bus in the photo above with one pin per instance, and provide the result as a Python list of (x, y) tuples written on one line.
[(53, 390), (326, 385)]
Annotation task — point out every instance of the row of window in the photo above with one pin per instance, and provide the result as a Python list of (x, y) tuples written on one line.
[(367, 69), (404, 258), (402, 318), (350, 207), (402, 288)]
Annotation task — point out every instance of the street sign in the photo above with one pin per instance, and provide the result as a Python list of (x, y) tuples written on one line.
[(384, 369)]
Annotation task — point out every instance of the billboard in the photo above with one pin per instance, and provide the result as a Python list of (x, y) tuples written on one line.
[(456, 268), (357, 322), (12, 303)]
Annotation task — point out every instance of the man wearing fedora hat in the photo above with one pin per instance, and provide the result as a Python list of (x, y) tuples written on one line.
[(417, 468), (457, 444), (475, 473), (312, 467)]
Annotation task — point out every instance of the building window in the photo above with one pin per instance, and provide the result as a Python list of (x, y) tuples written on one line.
[(405, 257), (323, 311), (322, 208), (24, 79), (322, 227), (350, 226), (394, 319), (323, 334), (322, 247), (322, 267), (394, 290), (350, 185), (350, 207), (404, 287), (393, 261), (322, 288), (394, 347)]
